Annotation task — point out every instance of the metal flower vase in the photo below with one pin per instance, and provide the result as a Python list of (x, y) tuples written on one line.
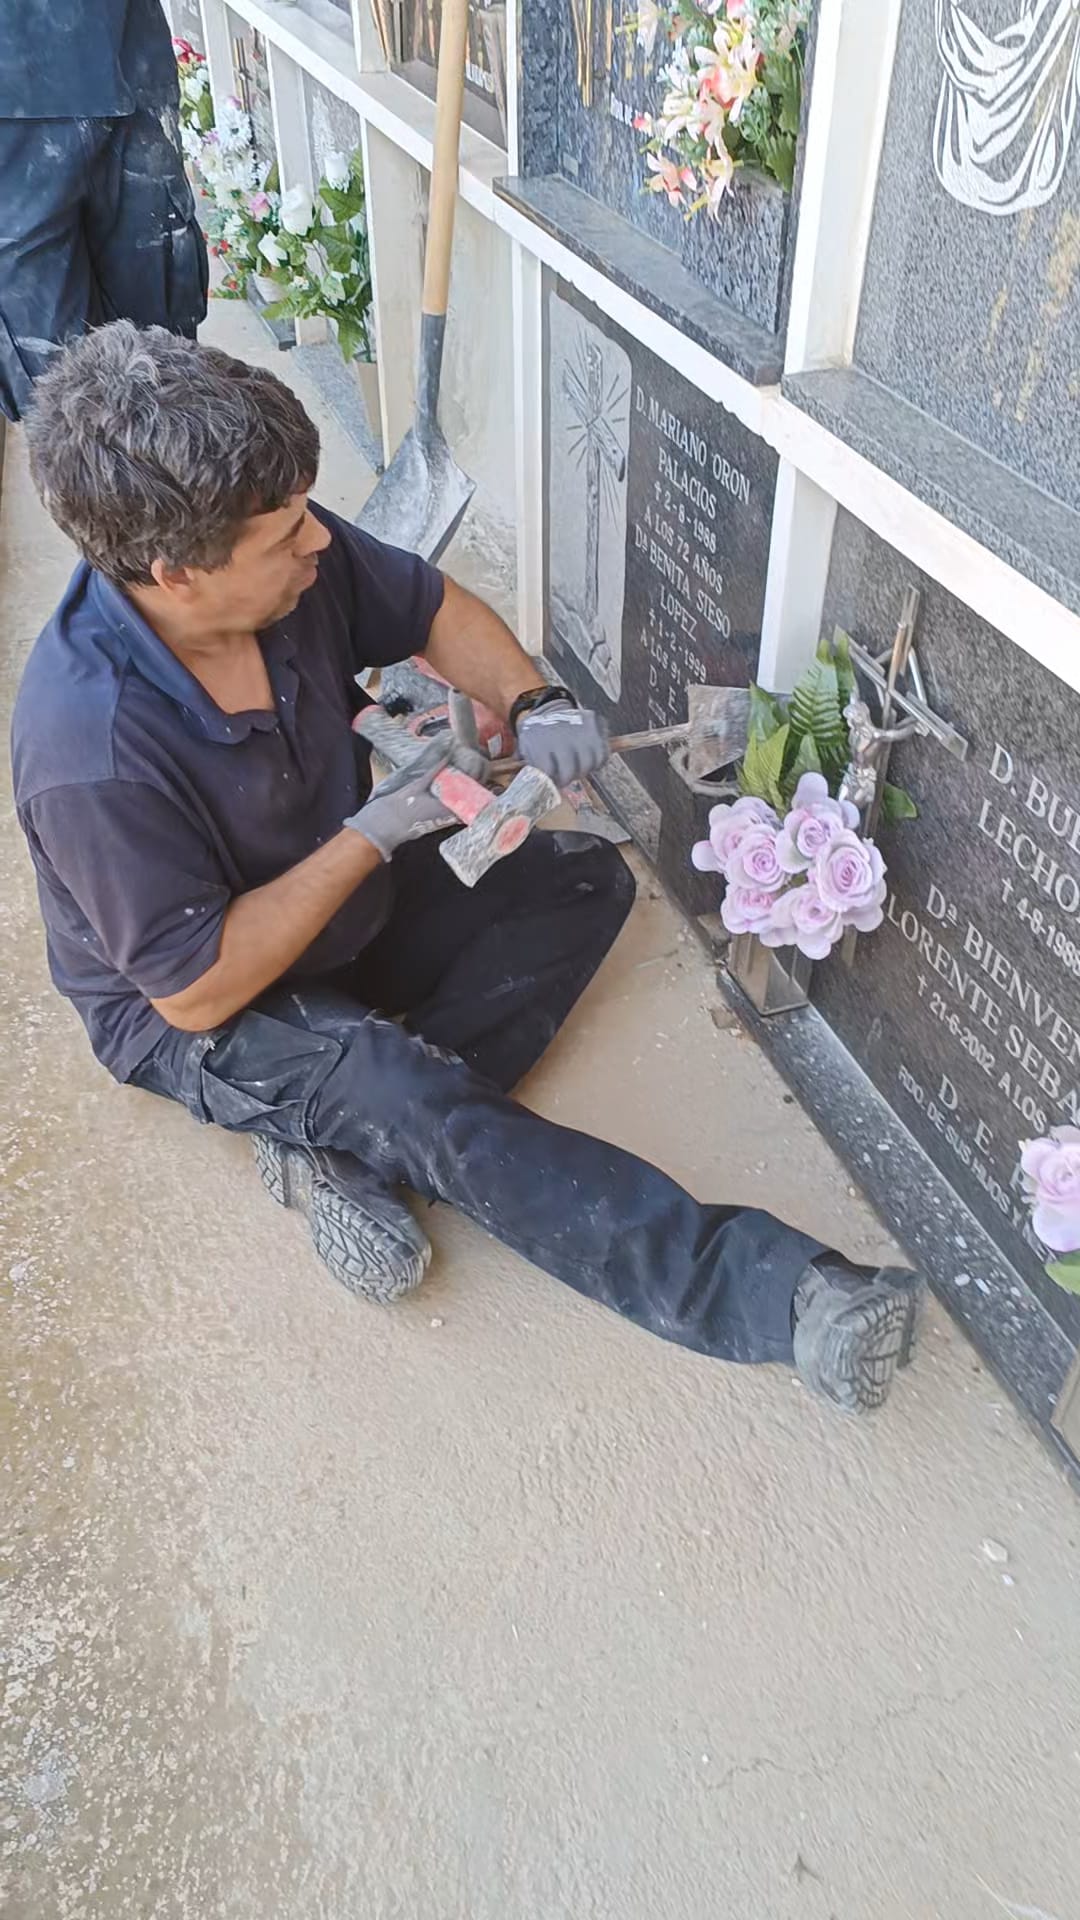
[(774, 979)]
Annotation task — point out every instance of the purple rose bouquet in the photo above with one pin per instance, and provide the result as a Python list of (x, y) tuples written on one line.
[(800, 881), (1051, 1175)]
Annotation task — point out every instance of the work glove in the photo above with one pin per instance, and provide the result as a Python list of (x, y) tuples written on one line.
[(403, 806), (566, 742)]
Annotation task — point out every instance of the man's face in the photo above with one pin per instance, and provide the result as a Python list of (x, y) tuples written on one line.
[(274, 561)]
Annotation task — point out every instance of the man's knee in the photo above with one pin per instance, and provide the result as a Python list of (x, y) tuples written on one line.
[(600, 870)]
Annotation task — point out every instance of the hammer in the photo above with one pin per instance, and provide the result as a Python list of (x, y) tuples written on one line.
[(495, 825)]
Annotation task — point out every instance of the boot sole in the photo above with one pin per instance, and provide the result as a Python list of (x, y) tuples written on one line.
[(341, 1232), (851, 1358)]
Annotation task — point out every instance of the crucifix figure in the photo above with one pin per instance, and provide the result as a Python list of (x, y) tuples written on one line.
[(593, 441)]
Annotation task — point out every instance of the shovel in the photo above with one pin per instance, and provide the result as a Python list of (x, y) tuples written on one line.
[(419, 502)]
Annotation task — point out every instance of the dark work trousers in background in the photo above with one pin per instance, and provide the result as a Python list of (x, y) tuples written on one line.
[(481, 981), (98, 223)]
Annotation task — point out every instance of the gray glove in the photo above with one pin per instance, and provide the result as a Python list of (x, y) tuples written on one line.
[(565, 742), (403, 806)]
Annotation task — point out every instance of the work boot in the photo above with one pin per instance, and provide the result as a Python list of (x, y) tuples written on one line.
[(853, 1326), (367, 1238)]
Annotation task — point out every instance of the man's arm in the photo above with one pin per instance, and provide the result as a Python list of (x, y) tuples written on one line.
[(474, 650), (264, 932)]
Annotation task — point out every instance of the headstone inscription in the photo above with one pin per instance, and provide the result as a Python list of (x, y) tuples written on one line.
[(964, 1008), (584, 81), (971, 302), (658, 515)]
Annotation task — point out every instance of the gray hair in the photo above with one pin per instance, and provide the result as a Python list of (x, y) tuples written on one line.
[(147, 447)]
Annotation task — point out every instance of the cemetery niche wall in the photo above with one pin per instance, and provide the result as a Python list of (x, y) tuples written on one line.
[(657, 513), (583, 79), (966, 376)]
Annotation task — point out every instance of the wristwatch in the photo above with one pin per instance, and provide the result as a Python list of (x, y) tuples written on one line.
[(534, 698)]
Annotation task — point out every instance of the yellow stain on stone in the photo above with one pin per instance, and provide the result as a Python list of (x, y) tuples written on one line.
[(1061, 271), (1063, 266), (997, 315)]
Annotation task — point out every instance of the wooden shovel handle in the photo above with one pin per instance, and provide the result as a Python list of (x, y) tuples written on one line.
[(449, 92)]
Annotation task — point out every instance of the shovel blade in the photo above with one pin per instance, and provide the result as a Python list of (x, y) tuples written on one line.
[(719, 726), (420, 501)]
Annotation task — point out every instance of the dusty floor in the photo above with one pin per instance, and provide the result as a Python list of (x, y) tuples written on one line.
[(489, 1607)]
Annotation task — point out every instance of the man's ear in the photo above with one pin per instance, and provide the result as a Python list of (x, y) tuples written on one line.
[(172, 580)]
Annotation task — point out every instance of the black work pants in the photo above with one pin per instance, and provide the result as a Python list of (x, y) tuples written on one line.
[(98, 224), (480, 982)]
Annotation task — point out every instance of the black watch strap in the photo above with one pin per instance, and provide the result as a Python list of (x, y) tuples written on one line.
[(534, 698)]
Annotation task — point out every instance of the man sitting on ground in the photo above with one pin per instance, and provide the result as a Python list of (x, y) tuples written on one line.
[(246, 926)]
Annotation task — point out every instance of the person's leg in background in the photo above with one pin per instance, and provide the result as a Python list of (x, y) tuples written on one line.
[(47, 290), (145, 246)]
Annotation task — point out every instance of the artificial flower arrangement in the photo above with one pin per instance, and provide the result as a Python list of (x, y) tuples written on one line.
[(1050, 1168), (312, 248), (798, 870), (733, 95)]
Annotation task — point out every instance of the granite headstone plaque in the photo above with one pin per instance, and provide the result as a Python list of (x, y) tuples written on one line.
[(658, 514), (187, 23), (964, 1008), (414, 39), (971, 297), (333, 126), (584, 80), (252, 79)]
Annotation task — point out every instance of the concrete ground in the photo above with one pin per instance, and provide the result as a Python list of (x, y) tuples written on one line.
[(489, 1606)]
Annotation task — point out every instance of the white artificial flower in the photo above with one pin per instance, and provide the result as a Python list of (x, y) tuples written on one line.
[(191, 141), (336, 170), (297, 211), (234, 127), (194, 85), (299, 283), (233, 228), (333, 289), (240, 172), (271, 249)]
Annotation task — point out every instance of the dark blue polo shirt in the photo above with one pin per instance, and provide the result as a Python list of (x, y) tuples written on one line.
[(83, 59), (148, 809)]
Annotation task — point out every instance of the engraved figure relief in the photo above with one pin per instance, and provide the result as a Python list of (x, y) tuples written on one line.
[(587, 484), (1007, 108)]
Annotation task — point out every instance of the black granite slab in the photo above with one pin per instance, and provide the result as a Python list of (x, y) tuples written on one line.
[(582, 80), (972, 315), (962, 1263), (417, 54), (658, 515), (643, 268), (1032, 531), (964, 1009)]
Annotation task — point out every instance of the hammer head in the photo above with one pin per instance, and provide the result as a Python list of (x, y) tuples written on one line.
[(502, 826)]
